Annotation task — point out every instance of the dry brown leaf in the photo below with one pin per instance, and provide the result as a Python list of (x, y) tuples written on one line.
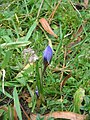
[(64, 115), (86, 3), (79, 30), (28, 99), (15, 114), (77, 36), (30, 57), (65, 79), (25, 97), (4, 108), (47, 27), (14, 111), (57, 69), (75, 42)]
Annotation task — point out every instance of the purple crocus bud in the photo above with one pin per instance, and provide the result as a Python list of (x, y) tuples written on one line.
[(37, 92), (47, 55)]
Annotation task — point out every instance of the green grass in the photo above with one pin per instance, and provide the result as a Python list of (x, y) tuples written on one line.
[(19, 29)]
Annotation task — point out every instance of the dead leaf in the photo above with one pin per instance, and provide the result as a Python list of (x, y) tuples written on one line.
[(29, 99), (47, 27), (86, 3), (4, 108), (25, 97), (74, 43), (30, 55), (57, 69), (79, 30), (64, 115), (15, 114), (38, 103), (14, 111), (65, 79), (78, 98), (76, 35)]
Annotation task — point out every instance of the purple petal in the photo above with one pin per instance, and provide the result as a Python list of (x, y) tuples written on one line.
[(47, 55), (37, 92)]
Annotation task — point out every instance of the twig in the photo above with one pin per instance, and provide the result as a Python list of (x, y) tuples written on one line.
[(53, 13), (65, 79), (28, 118), (63, 67), (40, 9)]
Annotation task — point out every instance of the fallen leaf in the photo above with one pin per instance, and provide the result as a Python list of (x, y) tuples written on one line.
[(86, 3), (64, 115), (75, 42), (15, 114), (57, 69), (76, 36), (79, 30), (4, 108), (14, 111), (30, 55), (47, 27), (25, 97), (78, 98), (65, 79)]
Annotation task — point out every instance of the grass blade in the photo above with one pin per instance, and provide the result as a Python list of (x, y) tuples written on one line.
[(17, 104), (30, 31), (14, 44), (6, 93), (6, 59)]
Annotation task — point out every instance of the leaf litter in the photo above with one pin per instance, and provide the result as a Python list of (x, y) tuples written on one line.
[(30, 57), (63, 115), (47, 27), (33, 57), (30, 54)]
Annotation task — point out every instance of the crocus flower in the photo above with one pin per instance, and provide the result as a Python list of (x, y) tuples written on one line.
[(37, 92), (47, 55)]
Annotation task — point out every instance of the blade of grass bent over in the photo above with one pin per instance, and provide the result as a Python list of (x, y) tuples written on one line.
[(30, 31)]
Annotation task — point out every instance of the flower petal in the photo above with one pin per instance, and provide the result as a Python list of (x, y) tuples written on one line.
[(47, 55)]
